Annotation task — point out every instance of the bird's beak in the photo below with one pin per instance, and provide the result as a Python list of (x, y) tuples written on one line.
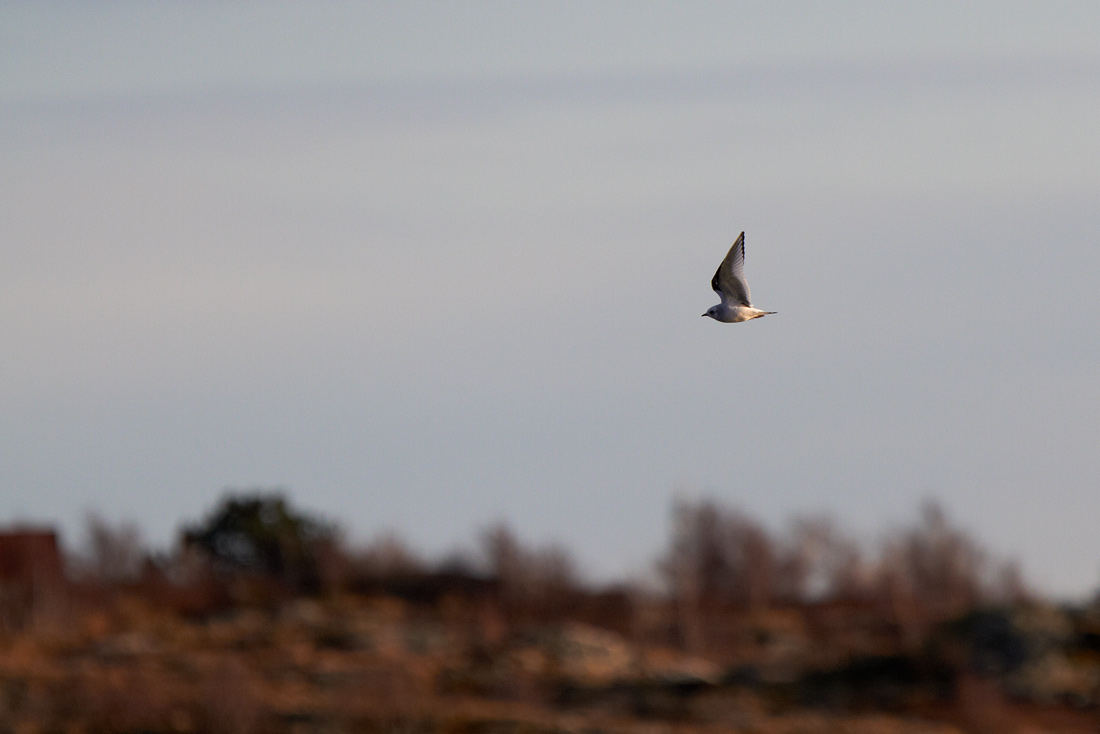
[(702, 314)]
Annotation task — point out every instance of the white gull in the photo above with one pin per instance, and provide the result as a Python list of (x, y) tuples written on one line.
[(729, 283)]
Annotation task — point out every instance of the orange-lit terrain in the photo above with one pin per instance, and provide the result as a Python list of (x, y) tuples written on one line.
[(262, 621)]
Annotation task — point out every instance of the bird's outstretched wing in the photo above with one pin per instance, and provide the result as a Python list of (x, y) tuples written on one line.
[(729, 280)]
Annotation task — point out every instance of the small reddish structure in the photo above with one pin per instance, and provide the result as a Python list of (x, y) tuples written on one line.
[(32, 576)]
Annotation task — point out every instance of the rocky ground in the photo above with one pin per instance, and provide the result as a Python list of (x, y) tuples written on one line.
[(372, 664)]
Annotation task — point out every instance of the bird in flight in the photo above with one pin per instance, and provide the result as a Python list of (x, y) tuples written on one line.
[(729, 283)]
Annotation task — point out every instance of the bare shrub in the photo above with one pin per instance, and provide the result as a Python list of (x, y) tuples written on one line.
[(1007, 585), (387, 557), (720, 564), (111, 553), (540, 582), (932, 572), (819, 563), (719, 556)]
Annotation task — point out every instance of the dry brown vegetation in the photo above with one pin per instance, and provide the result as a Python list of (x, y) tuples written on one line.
[(263, 620)]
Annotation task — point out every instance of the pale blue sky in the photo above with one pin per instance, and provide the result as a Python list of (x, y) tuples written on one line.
[(431, 265)]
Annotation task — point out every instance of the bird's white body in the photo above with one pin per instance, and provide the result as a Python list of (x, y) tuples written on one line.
[(730, 285), (734, 314)]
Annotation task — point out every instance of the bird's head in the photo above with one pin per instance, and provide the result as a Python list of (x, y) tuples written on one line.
[(712, 312)]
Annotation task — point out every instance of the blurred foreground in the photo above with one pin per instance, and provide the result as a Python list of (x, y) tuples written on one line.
[(263, 621)]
